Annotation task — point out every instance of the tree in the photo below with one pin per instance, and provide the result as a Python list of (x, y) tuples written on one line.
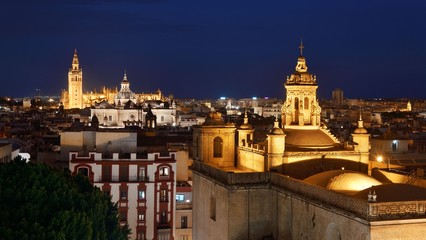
[(38, 202)]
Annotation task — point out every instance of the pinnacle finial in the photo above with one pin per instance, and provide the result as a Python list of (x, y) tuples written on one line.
[(125, 76), (301, 47)]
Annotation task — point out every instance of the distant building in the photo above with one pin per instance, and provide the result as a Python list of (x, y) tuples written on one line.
[(142, 183), (74, 97), (337, 97)]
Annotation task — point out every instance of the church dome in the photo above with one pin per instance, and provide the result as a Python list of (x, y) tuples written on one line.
[(214, 118), (342, 181), (309, 139)]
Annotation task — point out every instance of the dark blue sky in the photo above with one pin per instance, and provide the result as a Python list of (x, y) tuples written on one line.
[(207, 49)]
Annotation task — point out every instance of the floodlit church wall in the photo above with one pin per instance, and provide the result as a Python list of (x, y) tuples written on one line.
[(227, 135), (210, 210), (292, 157), (250, 160), (413, 229)]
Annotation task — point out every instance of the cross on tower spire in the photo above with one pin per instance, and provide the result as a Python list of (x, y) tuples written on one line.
[(301, 47)]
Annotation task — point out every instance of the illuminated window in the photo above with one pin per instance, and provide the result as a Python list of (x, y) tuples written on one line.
[(163, 195), (141, 217), (141, 194), (164, 172), (306, 103), (180, 198), (217, 147), (394, 146)]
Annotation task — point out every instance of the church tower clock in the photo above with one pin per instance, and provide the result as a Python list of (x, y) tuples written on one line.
[(75, 84), (301, 106)]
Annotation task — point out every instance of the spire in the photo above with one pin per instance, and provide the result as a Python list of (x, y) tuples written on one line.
[(301, 61), (360, 128), (125, 76), (75, 61), (245, 118), (276, 130)]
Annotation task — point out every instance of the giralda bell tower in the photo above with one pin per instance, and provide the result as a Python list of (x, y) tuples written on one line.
[(75, 84)]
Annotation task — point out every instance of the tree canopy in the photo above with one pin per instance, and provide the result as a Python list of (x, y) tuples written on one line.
[(38, 202)]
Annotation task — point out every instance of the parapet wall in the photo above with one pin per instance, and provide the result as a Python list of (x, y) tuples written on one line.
[(371, 211)]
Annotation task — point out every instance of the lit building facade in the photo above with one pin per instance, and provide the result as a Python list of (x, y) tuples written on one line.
[(75, 97), (143, 187), (299, 183)]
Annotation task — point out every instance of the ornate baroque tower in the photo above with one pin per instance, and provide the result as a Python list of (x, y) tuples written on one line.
[(301, 106), (75, 84)]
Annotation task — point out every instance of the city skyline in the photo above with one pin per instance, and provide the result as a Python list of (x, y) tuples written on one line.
[(208, 50)]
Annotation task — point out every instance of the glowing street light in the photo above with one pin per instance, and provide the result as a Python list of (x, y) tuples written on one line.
[(380, 159)]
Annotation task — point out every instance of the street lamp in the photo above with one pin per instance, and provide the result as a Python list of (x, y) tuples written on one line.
[(380, 159)]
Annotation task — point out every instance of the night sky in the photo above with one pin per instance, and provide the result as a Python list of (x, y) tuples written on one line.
[(208, 49)]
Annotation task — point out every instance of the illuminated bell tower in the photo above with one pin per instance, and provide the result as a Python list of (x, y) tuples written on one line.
[(75, 84), (301, 107)]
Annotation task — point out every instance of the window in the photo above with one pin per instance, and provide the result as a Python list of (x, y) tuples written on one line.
[(217, 147), (164, 172), (123, 194), (124, 173), (141, 217), (184, 222), (123, 216), (142, 174), (162, 118), (141, 235), (106, 173), (141, 195), (183, 237), (163, 218), (163, 195), (110, 118), (306, 103), (164, 234), (296, 103), (180, 198), (83, 171), (213, 208), (394, 146)]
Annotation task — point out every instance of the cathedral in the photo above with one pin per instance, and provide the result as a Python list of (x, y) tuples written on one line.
[(299, 182), (74, 97), (115, 108)]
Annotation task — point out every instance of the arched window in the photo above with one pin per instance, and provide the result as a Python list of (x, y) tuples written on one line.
[(83, 171), (296, 103), (306, 103), (217, 147), (164, 172)]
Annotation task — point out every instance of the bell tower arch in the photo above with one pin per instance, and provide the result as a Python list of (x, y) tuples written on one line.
[(301, 106)]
